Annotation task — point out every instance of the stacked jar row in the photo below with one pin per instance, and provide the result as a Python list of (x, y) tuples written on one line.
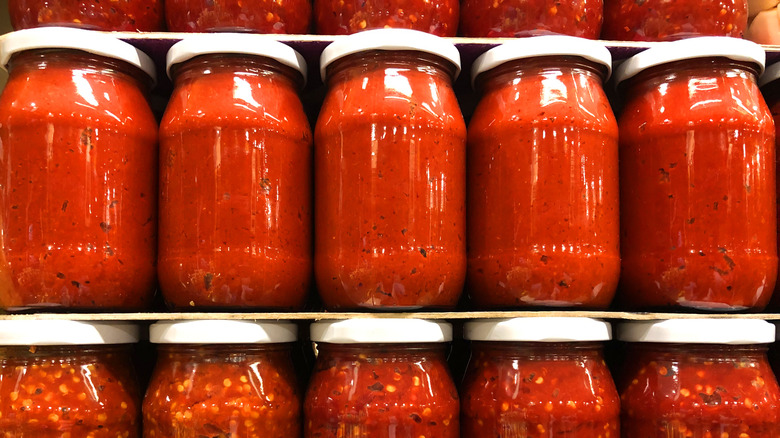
[(382, 378), (653, 20), (385, 208)]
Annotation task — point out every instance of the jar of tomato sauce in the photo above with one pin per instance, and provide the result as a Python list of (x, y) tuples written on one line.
[(697, 166), (664, 20), (78, 209), (522, 18), (68, 378), (259, 16), (543, 154), (235, 185), (341, 17), (390, 168), (699, 378), (770, 88), (538, 377), (113, 15), (220, 378), (381, 378)]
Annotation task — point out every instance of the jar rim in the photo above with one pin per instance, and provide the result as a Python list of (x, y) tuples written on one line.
[(381, 331), (75, 39), (66, 332), (538, 329), (727, 331), (235, 44), (222, 331), (692, 48), (543, 46), (389, 40)]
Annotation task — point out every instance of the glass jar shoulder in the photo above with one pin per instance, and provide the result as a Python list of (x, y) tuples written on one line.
[(248, 100), (57, 90), (701, 385), (202, 390), (391, 95), (84, 388), (681, 100), (553, 376), (545, 97)]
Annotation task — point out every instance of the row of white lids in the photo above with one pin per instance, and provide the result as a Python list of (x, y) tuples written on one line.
[(386, 39), (368, 330)]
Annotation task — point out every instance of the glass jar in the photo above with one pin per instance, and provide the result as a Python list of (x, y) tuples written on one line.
[(699, 378), (67, 378), (78, 212), (390, 168), (522, 18), (260, 16), (538, 377), (770, 88), (341, 17), (697, 166), (235, 186), (381, 378), (113, 15), (664, 20), (223, 378), (543, 153)]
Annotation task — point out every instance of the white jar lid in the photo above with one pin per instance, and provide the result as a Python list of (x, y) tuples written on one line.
[(218, 331), (541, 329), (234, 43), (699, 331), (548, 45), (771, 74), (65, 332), (381, 330), (78, 39), (389, 39), (692, 48)]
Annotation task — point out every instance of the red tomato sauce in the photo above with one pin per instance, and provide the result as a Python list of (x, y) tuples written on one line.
[(261, 16), (340, 17), (381, 391), (699, 391), (522, 18), (390, 185), (543, 188), (107, 15), (79, 210), (538, 390), (225, 390), (236, 201), (55, 392), (707, 168), (663, 20), (772, 94)]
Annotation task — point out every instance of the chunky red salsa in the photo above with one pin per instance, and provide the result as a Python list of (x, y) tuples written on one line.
[(390, 167), (521, 18), (339, 17), (223, 391), (543, 186), (262, 16), (538, 390), (236, 203), (698, 204), (662, 20), (66, 391), (78, 213), (107, 15), (699, 391), (381, 391)]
